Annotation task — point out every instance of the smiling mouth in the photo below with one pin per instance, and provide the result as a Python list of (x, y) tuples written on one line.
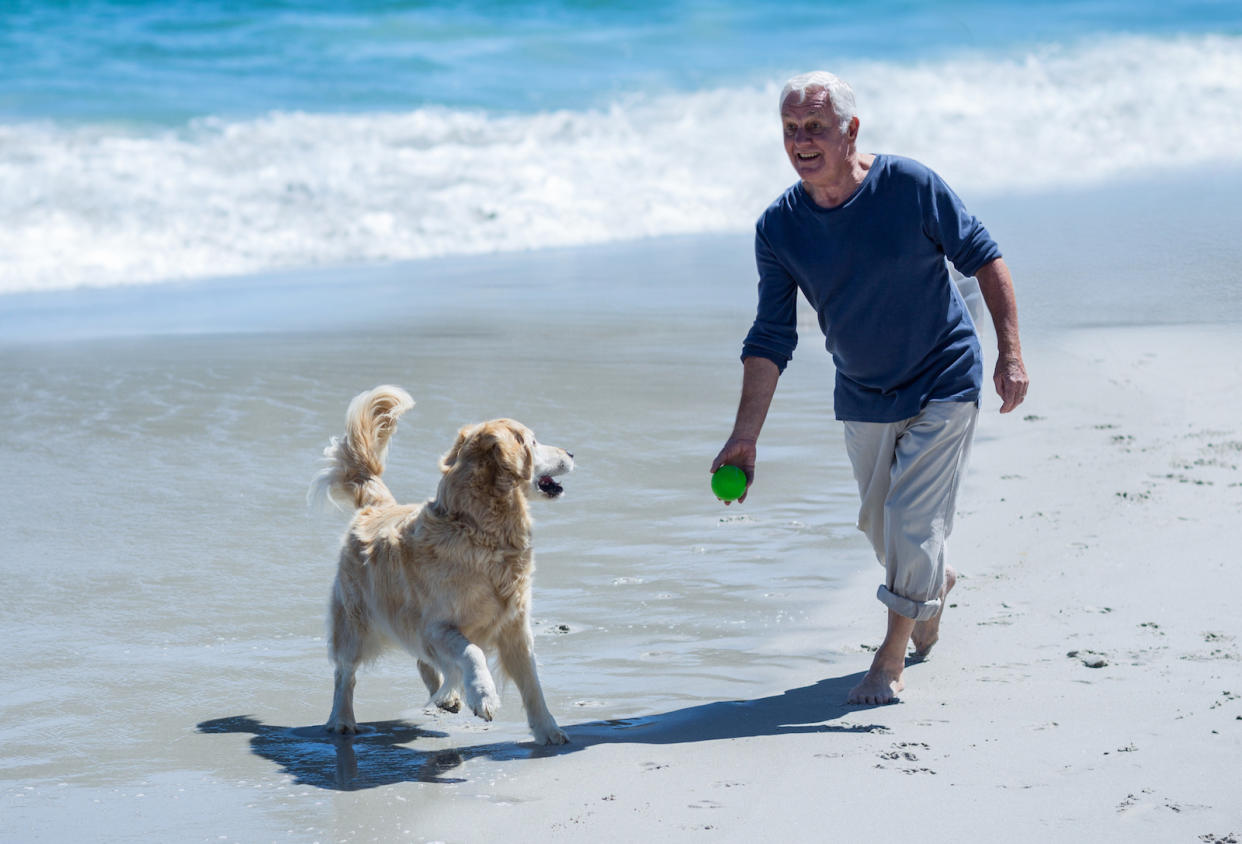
[(549, 487), (807, 156)]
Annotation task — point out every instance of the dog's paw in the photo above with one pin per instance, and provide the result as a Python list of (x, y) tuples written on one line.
[(550, 734), (449, 702), (487, 707), (483, 701)]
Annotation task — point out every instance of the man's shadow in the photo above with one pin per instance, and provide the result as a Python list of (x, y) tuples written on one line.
[(377, 755)]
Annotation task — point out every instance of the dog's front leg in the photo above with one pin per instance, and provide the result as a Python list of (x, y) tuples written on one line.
[(517, 655), (468, 659)]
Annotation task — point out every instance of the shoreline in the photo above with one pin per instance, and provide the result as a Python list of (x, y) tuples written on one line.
[(1095, 266), (1083, 684), (1075, 691)]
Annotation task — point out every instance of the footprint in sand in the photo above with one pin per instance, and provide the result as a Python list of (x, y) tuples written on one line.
[(905, 751)]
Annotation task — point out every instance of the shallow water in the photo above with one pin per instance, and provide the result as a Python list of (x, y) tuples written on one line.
[(162, 569)]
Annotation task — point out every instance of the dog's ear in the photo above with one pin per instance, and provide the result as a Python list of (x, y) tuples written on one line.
[(511, 453), (447, 461)]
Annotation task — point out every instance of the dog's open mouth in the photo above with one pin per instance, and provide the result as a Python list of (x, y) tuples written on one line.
[(549, 487)]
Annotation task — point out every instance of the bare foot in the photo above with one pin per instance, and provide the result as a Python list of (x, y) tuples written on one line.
[(927, 633), (879, 686)]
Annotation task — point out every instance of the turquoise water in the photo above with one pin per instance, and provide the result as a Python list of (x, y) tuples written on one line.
[(151, 141), (162, 424), (172, 61)]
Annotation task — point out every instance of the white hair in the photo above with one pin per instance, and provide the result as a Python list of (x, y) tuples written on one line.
[(840, 94)]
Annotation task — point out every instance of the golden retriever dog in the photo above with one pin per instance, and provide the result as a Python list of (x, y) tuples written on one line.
[(448, 580)]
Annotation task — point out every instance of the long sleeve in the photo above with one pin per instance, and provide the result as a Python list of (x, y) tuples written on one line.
[(774, 334), (965, 240)]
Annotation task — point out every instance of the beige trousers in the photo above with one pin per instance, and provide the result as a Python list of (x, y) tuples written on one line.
[(908, 474)]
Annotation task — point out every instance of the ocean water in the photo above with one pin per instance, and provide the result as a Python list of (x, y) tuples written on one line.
[(220, 221), (166, 583), (143, 142)]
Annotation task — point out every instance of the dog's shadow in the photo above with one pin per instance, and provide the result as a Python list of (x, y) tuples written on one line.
[(378, 755)]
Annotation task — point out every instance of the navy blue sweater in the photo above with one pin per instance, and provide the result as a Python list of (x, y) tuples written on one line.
[(873, 268)]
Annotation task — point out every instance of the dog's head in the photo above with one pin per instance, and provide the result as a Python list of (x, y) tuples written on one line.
[(504, 454)]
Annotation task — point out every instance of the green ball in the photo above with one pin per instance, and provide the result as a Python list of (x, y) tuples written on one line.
[(729, 483)]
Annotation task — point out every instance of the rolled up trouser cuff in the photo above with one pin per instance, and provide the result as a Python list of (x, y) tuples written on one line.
[(917, 610)]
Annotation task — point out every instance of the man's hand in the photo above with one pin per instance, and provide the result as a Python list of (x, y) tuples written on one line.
[(1011, 381), (739, 452), (1010, 376), (759, 377)]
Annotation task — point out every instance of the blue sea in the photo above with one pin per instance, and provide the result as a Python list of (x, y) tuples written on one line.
[(220, 220), (145, 142)]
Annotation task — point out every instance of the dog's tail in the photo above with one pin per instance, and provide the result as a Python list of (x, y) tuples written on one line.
[(355, 462)]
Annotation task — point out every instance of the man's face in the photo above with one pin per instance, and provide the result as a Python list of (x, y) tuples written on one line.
[(816, 147)]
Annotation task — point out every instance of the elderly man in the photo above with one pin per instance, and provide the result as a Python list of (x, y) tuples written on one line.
[(865, 238)]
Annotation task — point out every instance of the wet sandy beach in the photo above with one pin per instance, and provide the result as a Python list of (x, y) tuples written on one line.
[(165, 584)]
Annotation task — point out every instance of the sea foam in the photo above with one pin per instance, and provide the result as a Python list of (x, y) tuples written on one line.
[(105, 204)]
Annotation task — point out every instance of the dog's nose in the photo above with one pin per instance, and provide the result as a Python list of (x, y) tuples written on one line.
[(571, 455)]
